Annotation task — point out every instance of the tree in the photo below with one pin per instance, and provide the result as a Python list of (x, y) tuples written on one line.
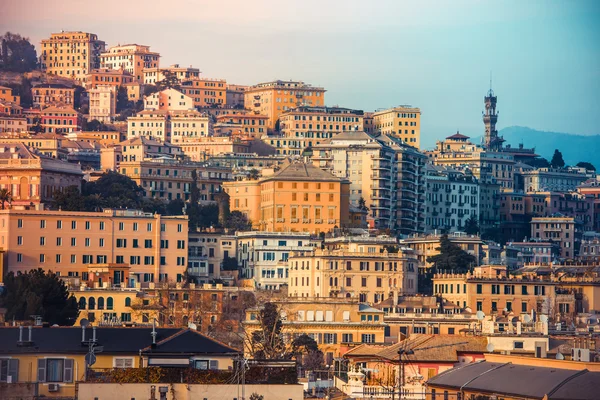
[(17, 54), (588, 166), (77, 95), (122, 99), (115, 191), (539, 162), (237, 221), (267, 342), (557, 160), (169, 80), (150, 89), (5, 197), (307, 348), (38, 293), (175, 207), (95, 125), (451, 257), (69, 199), (362, 204), (23, 90), (230, 264), (472, 225)]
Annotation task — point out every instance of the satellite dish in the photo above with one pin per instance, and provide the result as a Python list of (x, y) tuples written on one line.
[(544, 318), (84, 322), (559, 356), (480, 315), (193, 326), (505, 309), (526, 318), (490, 348), (514, 321)]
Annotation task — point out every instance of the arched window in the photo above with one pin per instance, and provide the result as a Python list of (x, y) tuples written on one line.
[(100, 303), (127, 302), (82, 303), (91, 303), (109, 303)]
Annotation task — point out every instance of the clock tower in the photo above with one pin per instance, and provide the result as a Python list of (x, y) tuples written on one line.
[(490, 116)]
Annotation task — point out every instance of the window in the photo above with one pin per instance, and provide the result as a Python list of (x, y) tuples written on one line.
[(347, 338), (19, 240), (19, 223), (121, 226), (368, 338), (101, 225), (73, 225), (58, 224), (123, 362), (9, 367), (42, 241), (518, 345), (43, 224), (127, 301), (479, 288), (55, 370), (88, 225), (524, 306), (148, 243)]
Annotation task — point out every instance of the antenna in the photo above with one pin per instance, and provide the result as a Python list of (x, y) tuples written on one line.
[(490, 80), (480, 315), (153, 332)]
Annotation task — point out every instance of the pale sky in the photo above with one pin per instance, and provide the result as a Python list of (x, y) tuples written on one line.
[(437, 55)]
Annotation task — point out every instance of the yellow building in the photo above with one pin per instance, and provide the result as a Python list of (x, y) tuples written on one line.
[(368, 276), (252, 126), (298, 198), (204, 148), (404, 122), (71, 54), (49, 94), (133, 58), (274, 98), (337, 325), (6, 94), (206, 92)]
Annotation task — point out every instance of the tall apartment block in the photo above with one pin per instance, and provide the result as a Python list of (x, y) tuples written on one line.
[(71, 54)]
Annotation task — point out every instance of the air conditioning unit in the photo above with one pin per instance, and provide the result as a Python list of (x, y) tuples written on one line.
[(53, 387)]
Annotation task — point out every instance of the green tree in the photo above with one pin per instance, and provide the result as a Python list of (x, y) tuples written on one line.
[(115, 191), (154, 206), (95, 125), (5, 197), (267, 342), (38, 293), (451, 257), (169, 81), (588, 166), (237, 221), (307, 349), (17, 54), (69, 199), (557, 160), (230, 264), (472, 225), (254, 174), (175, 207), (122, 99), (539, 162), (362, 204), (23, 89), (77, 95)]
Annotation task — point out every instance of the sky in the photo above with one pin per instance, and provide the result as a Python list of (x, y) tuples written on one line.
[(544, 56)]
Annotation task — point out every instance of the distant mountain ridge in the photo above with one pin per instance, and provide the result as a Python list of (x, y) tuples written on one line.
[(574, 148)]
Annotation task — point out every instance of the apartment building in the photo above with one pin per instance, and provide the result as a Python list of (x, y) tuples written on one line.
[(335, 324), (387, 174), (489, 289), (141, 148), (49, 94), (552, 180), (6, 94), (71, 54), (361, 244), (206, 92), (168, 100), (252, 126), (133, 58), (152, 124), (32, 178), (12, 125), (307, 126), (274, 98), (103, 103), (518, 254), (168, 179), (107, 77), (188, 126), (10, 108), (452, 198), (592, 189), (300, 197), (102, 137), (559, 229), (403, 122), (204, 148), (151, 246), (516, 210), (207, 252), (154, 75), (60, 119), (235, 95), (426, 246), (369, 276), (263, 256)]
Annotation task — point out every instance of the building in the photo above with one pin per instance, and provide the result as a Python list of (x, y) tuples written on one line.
[(369, 276), (235, 95), (387, 174), (336, 325), (60, 119), (141, 148), (12, 125), (274, 98), (552, 180), (452, 198), (6, 94), (102, 137), (206, 92), (204, 148), (306, 126), (49, 94), (154, 75), (210, 256), (556, 229), (32, 178), (518, 254), (9, 108), (103, 103), (133, 58), (263, 256), (592, 189), (491, 290), (298, 198), (107, 77), (252, 126), (168, 100), (403, 122), (69, 243), (152, 124), (186, 126), (71, 54)]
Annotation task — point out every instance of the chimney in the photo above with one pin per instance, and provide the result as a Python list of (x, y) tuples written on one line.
[(20, 334), (30, 333), (83, 333)]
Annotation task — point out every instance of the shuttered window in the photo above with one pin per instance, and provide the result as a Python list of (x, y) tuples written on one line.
[(9, 370), (55, 370)]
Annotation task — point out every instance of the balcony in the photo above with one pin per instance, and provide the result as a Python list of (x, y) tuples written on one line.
[(280, 220), (306, 220), (294, 220)]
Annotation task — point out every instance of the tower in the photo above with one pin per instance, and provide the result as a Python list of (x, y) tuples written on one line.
[(490, 117)]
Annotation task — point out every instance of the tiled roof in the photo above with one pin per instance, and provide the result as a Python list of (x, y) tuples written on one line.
[(303, 172), (189, 341)]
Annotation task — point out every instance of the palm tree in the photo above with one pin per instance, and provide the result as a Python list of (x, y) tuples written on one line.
[(5, 196)]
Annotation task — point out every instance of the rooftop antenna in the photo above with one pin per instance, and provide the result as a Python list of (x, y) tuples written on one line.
[(153, 332)]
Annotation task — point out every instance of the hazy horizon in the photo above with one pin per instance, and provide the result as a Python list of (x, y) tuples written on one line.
[(434, 55)]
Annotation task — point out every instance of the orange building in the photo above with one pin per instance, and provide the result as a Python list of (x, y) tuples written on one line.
[(206, 92), (6, 94), (49, 94), (403, 122), (298, 198), (105, 76), (249, 125), (274, 98), (202, 148)]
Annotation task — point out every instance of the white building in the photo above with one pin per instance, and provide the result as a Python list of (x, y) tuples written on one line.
[(103, 103), (168, 100), (263, 256), (133, 58), (206, 253)]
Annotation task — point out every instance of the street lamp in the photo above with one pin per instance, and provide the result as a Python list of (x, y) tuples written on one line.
[(401, 371)]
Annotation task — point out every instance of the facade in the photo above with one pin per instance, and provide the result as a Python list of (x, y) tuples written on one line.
[(369, 276), (71, 54), (49, 94), (452, 198), (69, 243), (168, 100), (263, 256), (154, 75), (102, 137), (103, 103), (107, 77), (206, 92), (207, 253), (133, 58), (426, 246), (141, 148), (403, 122), (235, 95), (6, 94), (60, 119), (556, 229), (387, 174), (203, 148), (298, 198), (274, 98), (252, 126), (552, 180), (152, 124), (188, 126), (12, 125)]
